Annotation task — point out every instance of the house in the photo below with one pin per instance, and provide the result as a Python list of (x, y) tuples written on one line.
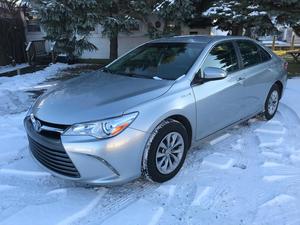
[(288, 34), (137, 36)]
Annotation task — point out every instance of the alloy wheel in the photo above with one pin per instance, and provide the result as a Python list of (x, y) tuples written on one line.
[(169, 152), (273, 102)]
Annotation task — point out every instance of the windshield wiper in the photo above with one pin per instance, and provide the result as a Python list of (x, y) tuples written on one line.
[(140, 75), (134, 75), (157, 78), (137, 75), (106, 70)]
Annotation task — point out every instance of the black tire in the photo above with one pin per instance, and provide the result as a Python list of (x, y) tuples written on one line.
[(267, 114), (149, 167)]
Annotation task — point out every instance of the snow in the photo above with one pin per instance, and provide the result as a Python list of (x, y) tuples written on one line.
[(10, 68), (159, 6), (257, 13), (12, 98), (230, 9), (277, 43), (23, 82), (216, 9), (245, 176)]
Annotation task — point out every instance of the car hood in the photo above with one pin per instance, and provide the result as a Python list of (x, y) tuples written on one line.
[(96, 96)]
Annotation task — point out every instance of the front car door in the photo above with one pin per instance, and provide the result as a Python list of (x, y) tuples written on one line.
[(218, 102)]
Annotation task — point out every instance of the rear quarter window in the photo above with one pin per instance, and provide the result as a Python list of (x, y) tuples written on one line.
[(264, 55)]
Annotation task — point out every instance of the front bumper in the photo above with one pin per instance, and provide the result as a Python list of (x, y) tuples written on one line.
[(109, 161)]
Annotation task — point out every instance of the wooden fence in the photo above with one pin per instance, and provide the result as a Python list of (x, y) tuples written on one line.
[(12, 41)]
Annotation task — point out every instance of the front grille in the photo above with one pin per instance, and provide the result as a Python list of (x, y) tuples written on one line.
[(49, 133), (61, 126), (54, 159)]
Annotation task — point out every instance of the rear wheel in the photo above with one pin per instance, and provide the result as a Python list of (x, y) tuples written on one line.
[(272, 102), (165, 151)]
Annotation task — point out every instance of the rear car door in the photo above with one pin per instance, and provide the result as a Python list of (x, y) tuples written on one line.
[(218, 103), (255, 77)]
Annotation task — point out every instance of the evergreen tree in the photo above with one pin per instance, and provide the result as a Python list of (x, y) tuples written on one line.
[(240, 17), (115, 17), (67, 23), (173, 13), (285, 12)]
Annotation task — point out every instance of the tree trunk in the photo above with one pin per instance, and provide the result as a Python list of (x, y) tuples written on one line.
[(297, 30), (248, 32), (113, 47), (70, 58), (237, 30)]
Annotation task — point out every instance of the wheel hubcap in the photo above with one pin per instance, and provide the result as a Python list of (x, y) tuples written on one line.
[(169, 153), (273, 102)]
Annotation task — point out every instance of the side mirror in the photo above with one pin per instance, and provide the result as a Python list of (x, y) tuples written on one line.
[(213, 73)]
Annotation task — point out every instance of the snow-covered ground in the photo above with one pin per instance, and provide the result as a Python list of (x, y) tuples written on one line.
[(10, 68), (248, 176), (12, 96)]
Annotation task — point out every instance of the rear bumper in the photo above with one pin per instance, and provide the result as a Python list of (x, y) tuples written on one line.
[(110, 161)]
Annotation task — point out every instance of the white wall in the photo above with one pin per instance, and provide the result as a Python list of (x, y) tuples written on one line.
[(216, 31), (37, 36), (103, 48), (197, 31), (288, 36), (126, 43)]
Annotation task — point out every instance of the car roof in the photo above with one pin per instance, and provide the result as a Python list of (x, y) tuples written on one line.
[(204, 39)]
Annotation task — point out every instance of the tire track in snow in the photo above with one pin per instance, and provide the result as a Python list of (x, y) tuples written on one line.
[(156, 217), (278, 168), (83, 212), (117, 199), (277, 200), (200, 195), (13, 172)]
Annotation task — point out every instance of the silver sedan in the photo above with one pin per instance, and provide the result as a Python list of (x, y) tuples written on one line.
[(142, 113)]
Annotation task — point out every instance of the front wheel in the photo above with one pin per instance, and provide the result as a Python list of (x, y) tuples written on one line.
[(165, 151), (272, 102)]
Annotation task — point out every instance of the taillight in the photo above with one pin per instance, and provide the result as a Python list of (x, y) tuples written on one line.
[(285, 65)]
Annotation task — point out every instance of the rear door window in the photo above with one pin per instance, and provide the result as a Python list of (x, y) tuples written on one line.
[(265, 56), (250, 53)]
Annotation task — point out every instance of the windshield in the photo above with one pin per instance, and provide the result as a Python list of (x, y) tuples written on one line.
[(158, 60)]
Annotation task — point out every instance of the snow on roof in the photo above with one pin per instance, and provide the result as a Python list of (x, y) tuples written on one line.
[(159, 6), (257, 13), (226, 10)]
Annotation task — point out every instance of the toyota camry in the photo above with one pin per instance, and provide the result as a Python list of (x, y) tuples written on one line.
[(139, 115)]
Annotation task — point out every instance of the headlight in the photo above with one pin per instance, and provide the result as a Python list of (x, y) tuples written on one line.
[(102, 129)]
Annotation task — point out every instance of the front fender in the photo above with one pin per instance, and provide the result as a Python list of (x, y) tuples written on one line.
[(179, 100)]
